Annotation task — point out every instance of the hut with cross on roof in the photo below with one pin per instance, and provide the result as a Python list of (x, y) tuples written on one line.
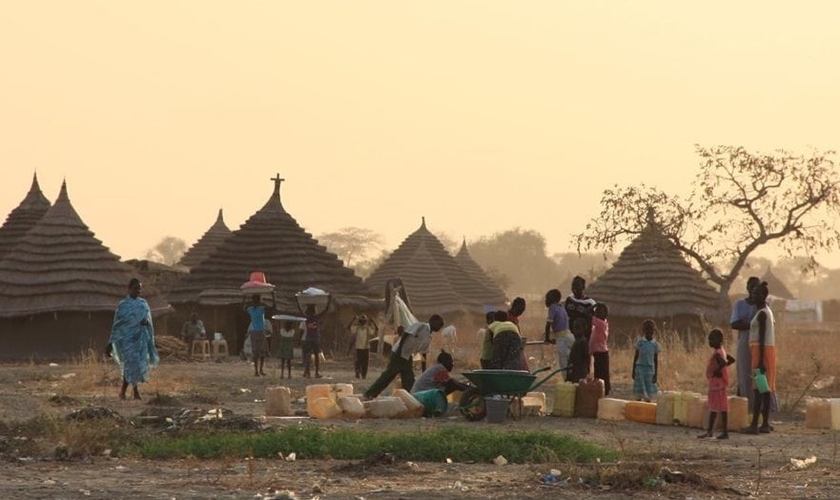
[(273, 242)]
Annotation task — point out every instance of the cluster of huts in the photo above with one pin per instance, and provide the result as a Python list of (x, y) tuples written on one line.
[(59, 284)]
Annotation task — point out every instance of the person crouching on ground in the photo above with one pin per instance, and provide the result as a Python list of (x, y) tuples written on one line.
[(439, 376), (414, 339)]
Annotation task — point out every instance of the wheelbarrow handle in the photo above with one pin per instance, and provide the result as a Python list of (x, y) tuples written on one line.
[(540, 370)]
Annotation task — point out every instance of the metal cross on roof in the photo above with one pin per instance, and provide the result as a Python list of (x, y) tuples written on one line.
[(277, 180)]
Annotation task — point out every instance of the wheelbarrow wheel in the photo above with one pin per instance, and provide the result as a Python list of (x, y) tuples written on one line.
[(472, 404)]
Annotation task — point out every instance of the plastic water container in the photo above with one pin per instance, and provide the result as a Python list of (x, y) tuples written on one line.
[(385, 407), (278, 401), (640, 411), (341, 390), (835, 413), (351, 407), (497, 409), (324, 409), (739, 413), (761, 383), (533, 404), (665, 408), (698, 409), (818, 413), (317, 391), (611, 409), (414, 408), (434, 402), (588, 393), (681, 400), (564, 399)]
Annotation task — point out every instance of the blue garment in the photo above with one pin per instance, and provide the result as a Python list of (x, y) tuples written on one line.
[(134, 344), (643, 385), (558, 317), (257, 315)]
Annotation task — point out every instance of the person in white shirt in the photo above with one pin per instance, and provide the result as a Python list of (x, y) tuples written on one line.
[(414, 339)]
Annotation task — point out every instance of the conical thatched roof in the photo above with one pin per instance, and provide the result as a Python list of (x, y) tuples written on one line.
[(208, 242), (60, 266), (477, 273), (651, 279), (24, 217), (270, 241), (776, 287), (434, 280)]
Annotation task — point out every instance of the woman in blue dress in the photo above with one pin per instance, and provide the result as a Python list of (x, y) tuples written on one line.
[(132, 342)]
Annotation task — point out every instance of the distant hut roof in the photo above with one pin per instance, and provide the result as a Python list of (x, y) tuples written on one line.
[(477, 273), (23, 217), (652, 279), (270, 241), (60, 266), (158, 275), (776, 286), (434, 280), (208, 242)]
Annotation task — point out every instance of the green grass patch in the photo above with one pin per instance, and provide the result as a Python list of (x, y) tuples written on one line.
[(311, 442)]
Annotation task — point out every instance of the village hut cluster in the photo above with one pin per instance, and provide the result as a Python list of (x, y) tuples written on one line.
[(59, 284)]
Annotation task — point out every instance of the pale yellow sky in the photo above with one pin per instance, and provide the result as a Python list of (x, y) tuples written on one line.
[(478, 115)]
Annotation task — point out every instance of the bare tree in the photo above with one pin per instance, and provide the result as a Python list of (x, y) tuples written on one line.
[(168, 250), (351, 243), (740, 201)]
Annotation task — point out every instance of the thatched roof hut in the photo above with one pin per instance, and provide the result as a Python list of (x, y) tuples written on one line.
[(23, 217), (435, 281), (59, 286), (776, 286), (651, 279), (476, 272), (208, 242), (270, 241)]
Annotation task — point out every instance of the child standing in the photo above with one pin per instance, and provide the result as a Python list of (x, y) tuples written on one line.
[(286, 349), (579, 355), (598, 345), (717, 373), (646, 363)]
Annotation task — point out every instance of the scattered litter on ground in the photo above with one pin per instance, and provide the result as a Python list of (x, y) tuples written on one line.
[(798, 464)]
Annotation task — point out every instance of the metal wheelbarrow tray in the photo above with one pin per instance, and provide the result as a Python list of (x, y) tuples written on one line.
[(507, 383)]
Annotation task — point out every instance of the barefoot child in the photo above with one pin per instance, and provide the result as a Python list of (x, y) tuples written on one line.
[(286, 349), (646, 363), (598, 349), (717, 373)]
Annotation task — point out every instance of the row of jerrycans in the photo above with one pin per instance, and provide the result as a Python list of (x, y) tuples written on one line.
[(586, 399)]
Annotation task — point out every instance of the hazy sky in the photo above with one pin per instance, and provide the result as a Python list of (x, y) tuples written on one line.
[(478, 115)]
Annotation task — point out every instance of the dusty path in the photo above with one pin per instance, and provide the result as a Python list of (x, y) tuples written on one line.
[(737, 466)]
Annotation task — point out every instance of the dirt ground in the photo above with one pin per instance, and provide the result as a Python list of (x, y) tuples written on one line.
[(742, 467)]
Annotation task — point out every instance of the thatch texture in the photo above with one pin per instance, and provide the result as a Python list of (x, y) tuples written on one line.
[(208, 242), (23, 217), (651, 279), (60, 266), (155, 274), (272, 241), (475, 271), (776, 286), (434, 280)]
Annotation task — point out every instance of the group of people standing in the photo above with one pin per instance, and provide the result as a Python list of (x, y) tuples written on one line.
[(580, 330)]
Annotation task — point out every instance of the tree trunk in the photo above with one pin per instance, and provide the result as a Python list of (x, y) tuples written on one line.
[(724, 306)]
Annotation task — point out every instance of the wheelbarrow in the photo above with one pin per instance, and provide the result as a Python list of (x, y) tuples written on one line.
[(513, 384)]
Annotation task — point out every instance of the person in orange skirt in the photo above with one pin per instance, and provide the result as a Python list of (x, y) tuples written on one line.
[(763, 359), (717, 373)]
